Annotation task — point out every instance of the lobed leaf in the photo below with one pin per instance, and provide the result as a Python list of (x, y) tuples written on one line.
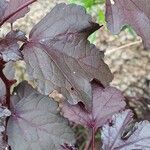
[(60, 57), (9, 47), (132, 12), (136, 138), (105, 103), (13, 10), (13, 6), (35, 122)]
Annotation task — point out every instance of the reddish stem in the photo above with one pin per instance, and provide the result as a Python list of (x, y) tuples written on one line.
[(14, 13), (8, 85), (93, 138), (87, 146)]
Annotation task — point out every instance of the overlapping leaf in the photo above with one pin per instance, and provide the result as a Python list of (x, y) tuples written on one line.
[(9, 72), (35, 123), (133, 12), (3, 5), (137, 137), (60, 57), (13, 6), (106, 102), (13, 9), (9, 47)]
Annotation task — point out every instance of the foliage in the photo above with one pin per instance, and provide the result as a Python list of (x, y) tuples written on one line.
[(124, 135), (59, 57), (96, 9), (138, 17)]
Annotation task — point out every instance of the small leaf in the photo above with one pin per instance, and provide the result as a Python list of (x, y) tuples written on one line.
[(16, 35), (13, 7), (60, 57), (4, 113), (35, 123), (101, 16), (137, 137), (135, 13), (9, 47), (106, 102)]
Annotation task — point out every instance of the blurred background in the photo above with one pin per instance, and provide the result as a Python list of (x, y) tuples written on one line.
[(124, 54)]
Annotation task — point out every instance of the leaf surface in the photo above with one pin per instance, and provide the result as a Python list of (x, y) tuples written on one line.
[(137, 138), (35, 123), (106, 102), (3, 5), (60, 57), (135, 13), (11, 10), (9, 47)]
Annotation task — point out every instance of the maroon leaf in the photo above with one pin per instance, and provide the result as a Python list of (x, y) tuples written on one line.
[(9, 72), (15, 9), (9, 48), (106, 102), (16, 35), (132, 12), (35, 122), (3, 5), (115, 137), (60, 57)]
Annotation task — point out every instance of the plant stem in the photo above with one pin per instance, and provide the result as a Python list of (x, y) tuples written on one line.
[(90, 140), (87, 146), (8, 83), (93, 138), (7, 86)]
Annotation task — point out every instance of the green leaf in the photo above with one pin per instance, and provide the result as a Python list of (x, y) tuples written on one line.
[(101, 16)]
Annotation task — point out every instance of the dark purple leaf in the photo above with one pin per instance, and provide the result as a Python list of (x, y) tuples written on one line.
[(115, 137), (16, 9), (16, 35), (106, 102), (35, 122), (3, 5), (9, 48), (60, 57), (132, 12)]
